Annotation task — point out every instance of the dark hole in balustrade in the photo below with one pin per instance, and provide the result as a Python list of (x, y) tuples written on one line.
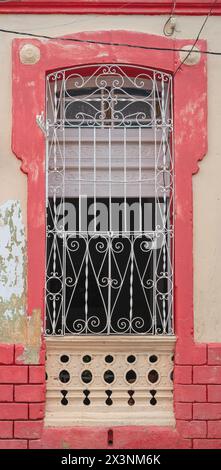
[(64, 400), (86, 358), (153, 358), (153, 376), (109, 359), (86, 376), (131, 359), (131, 376), (109, 376), (86, 400), (64, 358), (64, 376)]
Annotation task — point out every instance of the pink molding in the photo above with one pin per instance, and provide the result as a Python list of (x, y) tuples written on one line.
[(115, 7)]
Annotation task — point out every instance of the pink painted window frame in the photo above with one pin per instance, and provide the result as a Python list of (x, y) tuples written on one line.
[(190, 146)]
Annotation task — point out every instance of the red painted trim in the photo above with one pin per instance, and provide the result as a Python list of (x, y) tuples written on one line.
[(190, 144), (115, 7), (124, 437)]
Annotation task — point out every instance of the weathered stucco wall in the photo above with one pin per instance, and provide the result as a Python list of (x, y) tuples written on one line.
[(206, 184), (12, 264)]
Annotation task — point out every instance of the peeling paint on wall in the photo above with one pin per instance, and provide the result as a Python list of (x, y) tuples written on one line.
[(29, 334), (15, 325), (12, 261)]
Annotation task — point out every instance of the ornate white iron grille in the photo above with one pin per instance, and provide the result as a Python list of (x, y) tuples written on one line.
[(109, 201)]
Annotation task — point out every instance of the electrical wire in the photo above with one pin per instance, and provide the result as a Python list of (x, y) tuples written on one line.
[(197, 38), (117, 44), (103, 43)]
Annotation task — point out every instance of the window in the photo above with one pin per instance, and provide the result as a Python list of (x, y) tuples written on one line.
[(110, 202), (123, 377)]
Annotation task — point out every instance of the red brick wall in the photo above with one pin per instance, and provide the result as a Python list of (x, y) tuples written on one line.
[(198, 398), (197, 395), (22, 399)]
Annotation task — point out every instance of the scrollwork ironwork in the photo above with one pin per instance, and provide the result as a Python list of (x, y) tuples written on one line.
[(110, 281)]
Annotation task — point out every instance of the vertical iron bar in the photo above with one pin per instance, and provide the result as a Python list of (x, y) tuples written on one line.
[(110, 234), (79, 178), (86, 284), (173, 199), (154, 238), (95, 208), (125, 179), (172, 215), (131, 282), (47, 196), (140, 177), (110, 176), (109, 285), (64, 240)]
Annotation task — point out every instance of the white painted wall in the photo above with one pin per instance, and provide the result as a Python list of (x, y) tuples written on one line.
[(206, 184)]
